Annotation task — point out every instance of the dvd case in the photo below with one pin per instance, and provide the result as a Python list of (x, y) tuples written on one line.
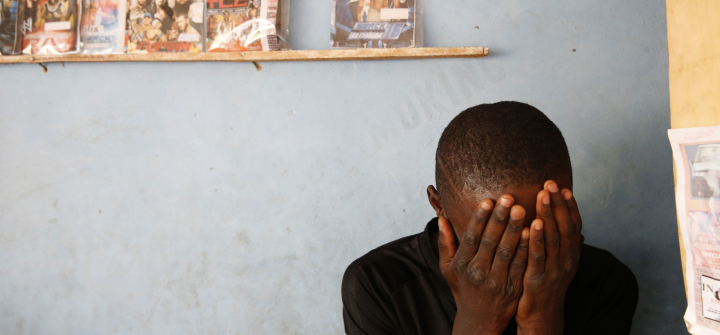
[(165, 26), (102, 26), (376, 24), (241, 25), (8, 18), (49, 26)]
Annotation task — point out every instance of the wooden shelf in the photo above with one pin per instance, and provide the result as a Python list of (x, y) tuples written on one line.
[(261, 56)]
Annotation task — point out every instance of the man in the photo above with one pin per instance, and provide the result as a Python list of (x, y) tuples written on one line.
[(505, 255), (138, 9), (253, 9), (54, 11), (172, 33), (163, 17), (195, 15), (182, 6), (147, 32), (183, 25), (227, 25)]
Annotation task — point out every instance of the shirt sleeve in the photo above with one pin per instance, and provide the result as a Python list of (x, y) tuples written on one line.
[(615, 304), (364, 310)]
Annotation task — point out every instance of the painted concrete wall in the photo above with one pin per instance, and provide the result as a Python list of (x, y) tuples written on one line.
[(211, 198)]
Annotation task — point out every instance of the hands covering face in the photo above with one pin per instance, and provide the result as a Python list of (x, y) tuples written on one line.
[(502, 270)]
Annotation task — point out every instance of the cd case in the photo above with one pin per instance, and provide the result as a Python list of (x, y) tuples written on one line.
[(376, 24)]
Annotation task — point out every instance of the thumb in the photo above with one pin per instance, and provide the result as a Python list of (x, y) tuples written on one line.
[(446, 243)]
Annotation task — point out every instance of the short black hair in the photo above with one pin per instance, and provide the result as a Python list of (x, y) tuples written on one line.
[(489, 147)]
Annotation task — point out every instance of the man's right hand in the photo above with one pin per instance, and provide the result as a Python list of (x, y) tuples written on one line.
[(485, 271)]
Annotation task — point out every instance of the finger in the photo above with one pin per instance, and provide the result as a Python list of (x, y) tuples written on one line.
[(520, 261), (551, 234), (493, 233), (508, 244), (573, 210), (446, 244), (579, 239), (470, 239), (562, 216), (536, 250)]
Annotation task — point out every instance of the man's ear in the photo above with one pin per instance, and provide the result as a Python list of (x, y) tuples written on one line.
[(434, 199)]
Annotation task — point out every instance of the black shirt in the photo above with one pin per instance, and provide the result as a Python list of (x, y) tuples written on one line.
[(398, 289)]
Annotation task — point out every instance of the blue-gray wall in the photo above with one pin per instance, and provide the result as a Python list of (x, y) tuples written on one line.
[(211, 198)]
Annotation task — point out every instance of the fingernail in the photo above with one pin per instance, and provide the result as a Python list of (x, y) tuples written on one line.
[(567, 195), (505, 202), (538, 224), (546, 200), (516, 213), (552, 187), (486, 205), (525, 233)]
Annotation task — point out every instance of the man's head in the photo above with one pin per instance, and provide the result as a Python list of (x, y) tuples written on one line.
[(495, 149), (147, 19), (172, 33), (181, 21)]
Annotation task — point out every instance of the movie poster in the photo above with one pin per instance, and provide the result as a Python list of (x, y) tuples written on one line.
[(49, 26), (696, 152), (8, 17), (165, 26), (241, 25), (373, 24), (102, 26)]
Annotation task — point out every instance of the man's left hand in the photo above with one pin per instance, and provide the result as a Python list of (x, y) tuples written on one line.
[(554, 255)]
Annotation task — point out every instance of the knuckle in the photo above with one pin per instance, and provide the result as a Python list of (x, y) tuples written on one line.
[(469, 238), (499, 217), (518, 264), (538, 258), (504, 254), (459, 266), (492, 284), (481, 216), (488, 242), (476, 275), (515, 228), (548, 213), (512, 289)]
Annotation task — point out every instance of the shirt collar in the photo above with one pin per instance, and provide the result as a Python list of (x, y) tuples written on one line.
[(432, 260)]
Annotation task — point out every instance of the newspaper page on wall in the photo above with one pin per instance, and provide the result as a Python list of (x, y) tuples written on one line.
[(696, 152)]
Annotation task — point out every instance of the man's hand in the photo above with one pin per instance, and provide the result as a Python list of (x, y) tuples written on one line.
[(485, 272), (555, 243)]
